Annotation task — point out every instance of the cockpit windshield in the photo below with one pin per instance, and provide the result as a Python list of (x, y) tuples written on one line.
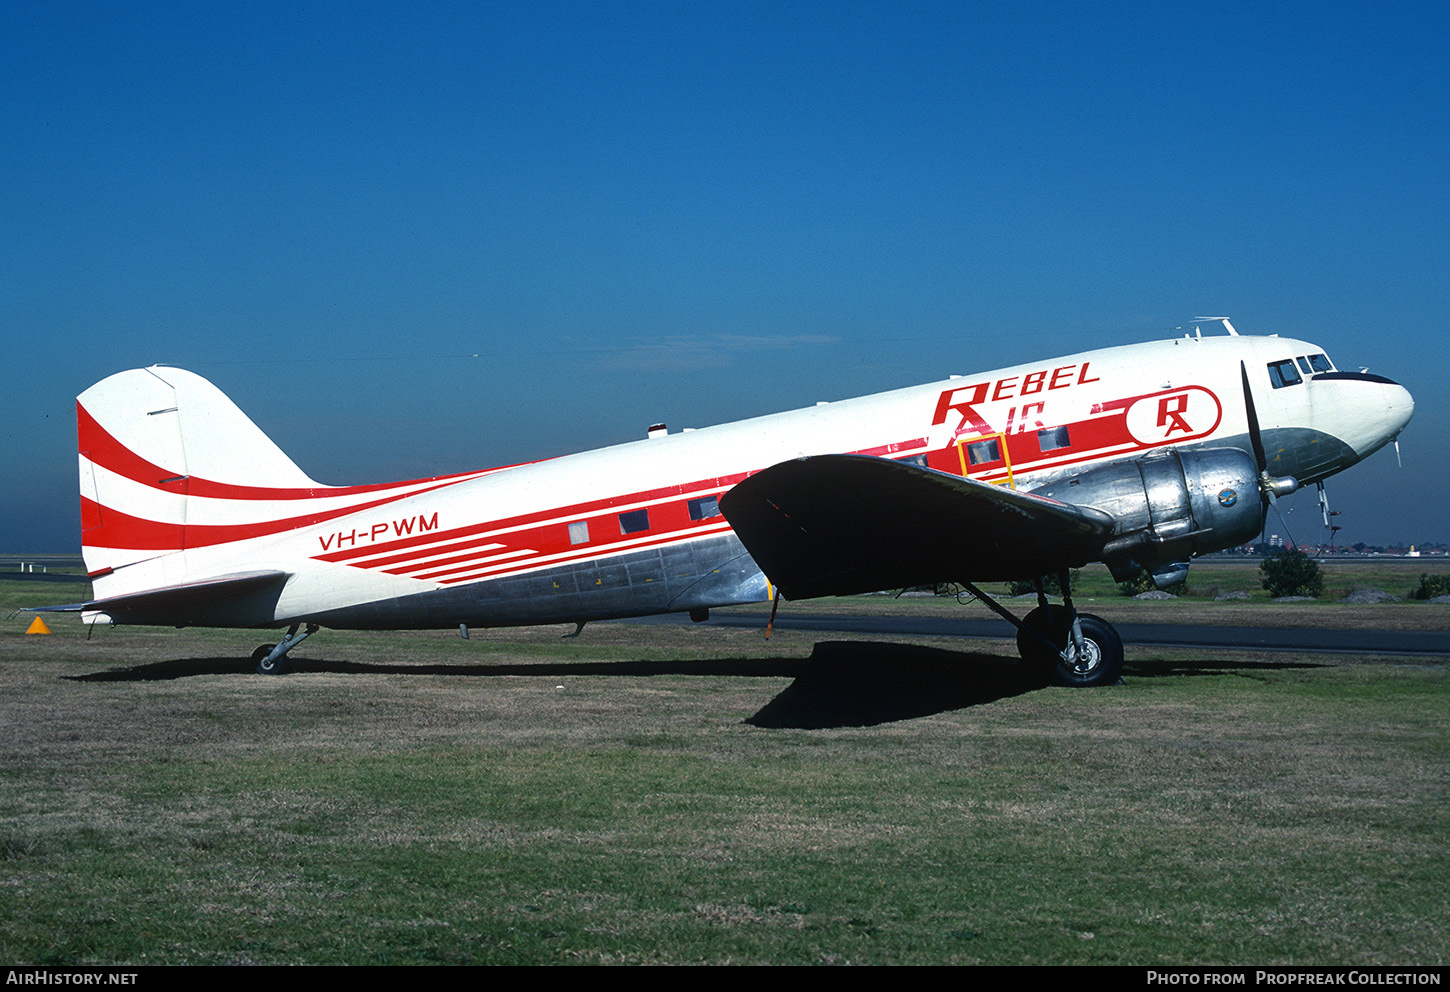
[(1283, 374), (1287, 372)]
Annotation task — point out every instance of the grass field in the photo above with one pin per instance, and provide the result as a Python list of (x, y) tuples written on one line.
[(702, 795)]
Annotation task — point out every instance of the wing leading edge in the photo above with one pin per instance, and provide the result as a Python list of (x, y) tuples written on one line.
[(831, 525)]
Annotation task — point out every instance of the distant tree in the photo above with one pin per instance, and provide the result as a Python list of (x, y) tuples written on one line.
[(1431, 586), (1291, 573)]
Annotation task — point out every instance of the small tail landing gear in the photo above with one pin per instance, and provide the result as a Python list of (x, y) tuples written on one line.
[(1059, 644), (271, 659)]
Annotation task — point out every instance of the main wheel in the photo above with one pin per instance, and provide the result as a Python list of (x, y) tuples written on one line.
[(1100, 662), (276, 667)]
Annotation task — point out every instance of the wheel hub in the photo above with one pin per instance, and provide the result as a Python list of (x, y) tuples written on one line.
[(1084, 661)]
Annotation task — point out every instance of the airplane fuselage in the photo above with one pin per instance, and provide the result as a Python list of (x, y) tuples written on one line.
[(636, 529)]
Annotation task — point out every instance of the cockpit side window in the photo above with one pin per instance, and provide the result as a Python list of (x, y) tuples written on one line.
[(1283, 374), (1304, 366), (1321, 363)]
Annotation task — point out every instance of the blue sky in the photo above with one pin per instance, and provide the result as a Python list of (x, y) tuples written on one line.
[(411, 239)]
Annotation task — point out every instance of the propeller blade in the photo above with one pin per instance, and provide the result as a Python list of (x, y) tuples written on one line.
[(1254, 438), (1283, 522), (1269, 488)]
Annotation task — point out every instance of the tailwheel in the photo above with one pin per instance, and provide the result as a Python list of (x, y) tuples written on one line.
[(271, 659), (1096, 658), (266, 664)]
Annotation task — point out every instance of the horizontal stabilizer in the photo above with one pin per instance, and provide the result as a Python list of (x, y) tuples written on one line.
[(833, 525), (187, 594)]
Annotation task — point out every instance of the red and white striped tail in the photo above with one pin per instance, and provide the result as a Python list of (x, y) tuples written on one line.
[(167, 462)]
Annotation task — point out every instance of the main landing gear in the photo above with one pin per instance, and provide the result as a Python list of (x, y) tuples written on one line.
[(1059, 644), (271, 659)]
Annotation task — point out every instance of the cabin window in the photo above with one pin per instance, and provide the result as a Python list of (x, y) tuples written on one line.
[(1052, 439), (634, 521), (704, 508), (918, 460), (1283, 374), (982, 452), (579, 532)]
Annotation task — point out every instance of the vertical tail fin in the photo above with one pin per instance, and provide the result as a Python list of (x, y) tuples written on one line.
[(153, 443)]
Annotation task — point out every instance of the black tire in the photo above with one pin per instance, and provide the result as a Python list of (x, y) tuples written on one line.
[(1102, 658), (1045, 621), (259, 658)]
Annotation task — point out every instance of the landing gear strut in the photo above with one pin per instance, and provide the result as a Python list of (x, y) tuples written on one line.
[(1061, 645), (271, 659)]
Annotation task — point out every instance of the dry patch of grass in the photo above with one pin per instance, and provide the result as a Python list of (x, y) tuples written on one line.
[(700, 795)]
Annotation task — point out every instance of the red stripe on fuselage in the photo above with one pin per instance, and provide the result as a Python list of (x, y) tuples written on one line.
[(547, 559), (122, 530), (544, 534), (555, 515)]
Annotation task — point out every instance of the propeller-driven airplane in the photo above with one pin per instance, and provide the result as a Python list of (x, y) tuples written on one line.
[(1141, 456)]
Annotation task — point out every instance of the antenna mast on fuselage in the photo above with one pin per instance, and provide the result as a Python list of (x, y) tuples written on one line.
[(1222, 320)]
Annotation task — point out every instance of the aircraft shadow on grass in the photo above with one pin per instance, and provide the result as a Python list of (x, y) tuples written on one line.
[(841, 684)]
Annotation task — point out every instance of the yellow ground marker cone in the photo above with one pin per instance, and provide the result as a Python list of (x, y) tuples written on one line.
[(37, 626)]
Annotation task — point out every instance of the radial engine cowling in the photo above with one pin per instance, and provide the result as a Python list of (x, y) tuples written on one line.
[(1169, 505)]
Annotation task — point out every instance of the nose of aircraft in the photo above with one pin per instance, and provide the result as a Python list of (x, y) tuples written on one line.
[(1400, 406), (1362, 410), (1382, 406)]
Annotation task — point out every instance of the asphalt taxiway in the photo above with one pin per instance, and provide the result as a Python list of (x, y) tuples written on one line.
[(1316, 640)]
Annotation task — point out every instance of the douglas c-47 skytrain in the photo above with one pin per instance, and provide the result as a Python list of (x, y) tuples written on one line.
[(1140, 456)]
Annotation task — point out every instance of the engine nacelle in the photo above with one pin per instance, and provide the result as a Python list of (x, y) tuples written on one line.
[(1169, 505)]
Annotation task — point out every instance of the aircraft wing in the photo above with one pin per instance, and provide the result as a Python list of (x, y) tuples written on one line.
[(839, 524)]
